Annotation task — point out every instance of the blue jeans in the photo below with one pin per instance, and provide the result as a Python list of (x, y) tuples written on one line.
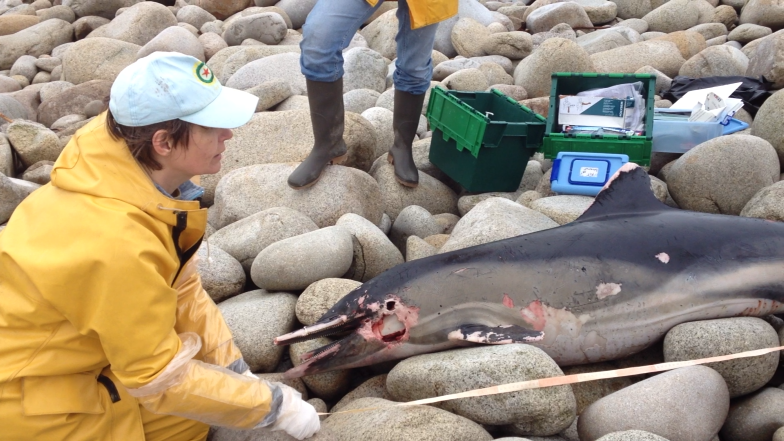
[(331, 25)]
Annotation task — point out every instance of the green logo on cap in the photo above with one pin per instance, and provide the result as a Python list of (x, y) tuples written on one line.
[(204, 74)]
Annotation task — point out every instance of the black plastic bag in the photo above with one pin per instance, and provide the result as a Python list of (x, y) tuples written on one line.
[(753, 91)]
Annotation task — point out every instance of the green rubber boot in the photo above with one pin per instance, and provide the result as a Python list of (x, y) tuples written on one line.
[(408, 108), (328, 118)]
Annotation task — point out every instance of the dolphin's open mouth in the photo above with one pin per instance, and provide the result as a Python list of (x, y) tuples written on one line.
[(374, 330)]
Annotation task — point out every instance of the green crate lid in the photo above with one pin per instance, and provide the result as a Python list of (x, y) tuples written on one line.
[(461, 122)]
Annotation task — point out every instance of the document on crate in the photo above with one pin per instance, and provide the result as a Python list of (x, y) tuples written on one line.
[(592, 111), (711, 104)]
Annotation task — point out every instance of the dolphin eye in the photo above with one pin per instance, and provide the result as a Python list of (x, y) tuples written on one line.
[(390, 305)]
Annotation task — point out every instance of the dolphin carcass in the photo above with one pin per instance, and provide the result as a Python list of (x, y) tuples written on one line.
[(603, 287)]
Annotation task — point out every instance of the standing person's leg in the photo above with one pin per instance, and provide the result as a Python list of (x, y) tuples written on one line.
[(328, 30), (413, 72)]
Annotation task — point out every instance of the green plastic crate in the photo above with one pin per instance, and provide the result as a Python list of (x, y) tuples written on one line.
[(638, 148), (482, 140)]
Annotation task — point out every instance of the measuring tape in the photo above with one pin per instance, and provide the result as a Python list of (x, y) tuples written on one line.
[(571, 379)]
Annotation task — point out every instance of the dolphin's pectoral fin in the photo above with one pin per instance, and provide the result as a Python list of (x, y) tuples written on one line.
[(498, 335)]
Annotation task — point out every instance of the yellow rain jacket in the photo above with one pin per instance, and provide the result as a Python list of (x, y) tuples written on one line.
[(98, 292), (427, 12)]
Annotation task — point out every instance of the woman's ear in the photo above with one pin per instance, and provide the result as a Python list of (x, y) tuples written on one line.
[(161, 143)]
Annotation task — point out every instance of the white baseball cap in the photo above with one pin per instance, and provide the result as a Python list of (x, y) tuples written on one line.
[(169, 85)]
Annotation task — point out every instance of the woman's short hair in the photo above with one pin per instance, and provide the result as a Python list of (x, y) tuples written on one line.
[(139, 139)]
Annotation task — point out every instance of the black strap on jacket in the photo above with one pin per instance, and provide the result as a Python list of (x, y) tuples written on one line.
[(182, 223), (110, 387)]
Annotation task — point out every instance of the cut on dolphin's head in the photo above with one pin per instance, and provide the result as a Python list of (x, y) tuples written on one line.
[(377, 327)]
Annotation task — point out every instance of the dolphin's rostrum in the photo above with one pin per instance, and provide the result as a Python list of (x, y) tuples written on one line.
[(605, 286)]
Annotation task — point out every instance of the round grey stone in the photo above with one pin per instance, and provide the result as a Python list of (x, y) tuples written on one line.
[(545, 411), (294, 263), (270, 94), (359, 100), (374, 254), (12, 193), (418, 248), (756, 417), (468, 202), (194, 15), (546, 17), (255, 188), (381, 119), (767, 123), (468, 80), (25, 66), (449, 67), (85, 25), (380, 34), (266, 27), (327, 385), (602, 40), (283, 66), (60, 11), (402, 423), (39, 172), (139, 24), (246, 238), (50, 90), (364, 68), (495, 219), (97, 59), (212, 44), (554, 55), (221, 275), (778, 435), (297, 10), (682, 404), (698, 179), (174, 39), (468, 36), (93, 108), (102, 8), (6, 157), (749, 32), (375, 387), (431, 194), (255, 318), (632, 435), (768, 203), (413, 221), (662, 55), (714, 61), (589, 392), (320, 297), (562, 209), (71, 100), (36, 40), (33, 142), (710, 338), (513, 45)]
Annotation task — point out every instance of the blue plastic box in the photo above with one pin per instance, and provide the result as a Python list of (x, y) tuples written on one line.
[(584, 173)]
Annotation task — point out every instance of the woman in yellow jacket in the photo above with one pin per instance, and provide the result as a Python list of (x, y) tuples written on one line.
[(105, 330), (328, 30)]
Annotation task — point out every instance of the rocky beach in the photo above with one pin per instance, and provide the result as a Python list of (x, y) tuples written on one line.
[(275, 259)]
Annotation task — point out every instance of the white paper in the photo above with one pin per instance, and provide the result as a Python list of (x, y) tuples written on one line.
[(694, 97)]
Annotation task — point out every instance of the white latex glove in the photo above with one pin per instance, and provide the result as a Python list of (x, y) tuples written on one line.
[(297, 417)]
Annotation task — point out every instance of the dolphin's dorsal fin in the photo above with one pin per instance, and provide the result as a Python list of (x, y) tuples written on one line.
[(629, 192)]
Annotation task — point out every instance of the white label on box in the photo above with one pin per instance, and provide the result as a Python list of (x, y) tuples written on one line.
[(589, 172)]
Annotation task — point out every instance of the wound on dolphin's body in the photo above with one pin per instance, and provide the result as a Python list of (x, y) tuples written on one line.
[(607, 289)]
